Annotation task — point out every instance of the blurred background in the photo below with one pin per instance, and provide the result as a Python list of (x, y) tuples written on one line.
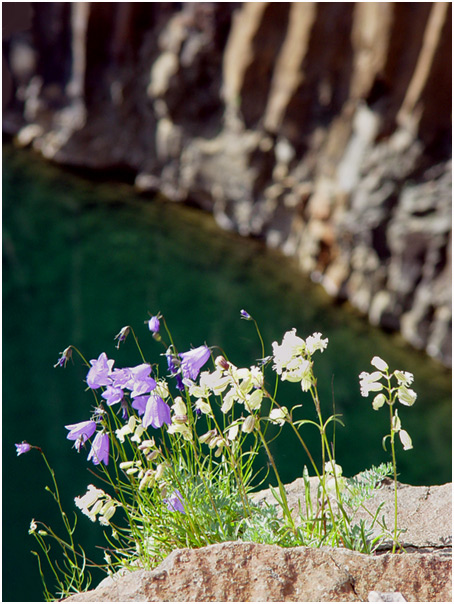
[(292, 159)]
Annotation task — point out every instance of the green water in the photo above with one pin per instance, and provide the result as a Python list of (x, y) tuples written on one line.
[(82, 259)]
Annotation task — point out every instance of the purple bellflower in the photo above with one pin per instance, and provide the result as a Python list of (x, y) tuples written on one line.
[(174, 370), (23, 447), (175, 503), (81, 432), (245, 315), (153, 325), (157, 413), (113, 395), (141, 382), (99, 449), (121, 377), (100, 370), (193, 360), (139, 403)]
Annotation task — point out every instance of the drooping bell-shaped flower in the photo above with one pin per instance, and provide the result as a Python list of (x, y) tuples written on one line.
[(81, 432), (23, 447), (100, 370), (174, 370), (406, 396), (157, 413), (153, 324), (278, 416), (175, 503), (99, 449), (112, 395), (139, 403), (193, 361)]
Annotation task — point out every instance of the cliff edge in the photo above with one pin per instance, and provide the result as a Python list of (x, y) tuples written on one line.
[(323, 128)]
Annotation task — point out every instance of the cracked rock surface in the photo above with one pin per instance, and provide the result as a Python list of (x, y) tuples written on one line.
[(249, 572)]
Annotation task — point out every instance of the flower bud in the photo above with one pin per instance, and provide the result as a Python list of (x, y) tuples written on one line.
[(380, 364), (153, 455), (221, 362), (159, 471), (207, 437), (125, 465), (233, 432), (248, 424), (131, 471), (405, 440), (121, 337)]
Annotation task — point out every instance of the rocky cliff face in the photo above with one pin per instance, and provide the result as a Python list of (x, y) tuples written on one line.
[(324, 128)]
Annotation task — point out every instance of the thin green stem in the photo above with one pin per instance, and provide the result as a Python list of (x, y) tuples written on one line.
[(138, 345), (393, 453), (282, 492)]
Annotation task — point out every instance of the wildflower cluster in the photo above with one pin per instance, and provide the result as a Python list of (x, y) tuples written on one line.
[(381, 381), (177, 452), (391, 387)]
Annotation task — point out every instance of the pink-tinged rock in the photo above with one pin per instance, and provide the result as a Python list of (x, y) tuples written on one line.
[(249, 572)]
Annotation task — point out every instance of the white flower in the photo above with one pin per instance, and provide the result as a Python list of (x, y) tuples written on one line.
[(299, 370), (379, 364), (138, 434), (147, 445), (179, 407), (91, 496), (180, 428), (257, 377), (125, 465), (33, 527), (160, 471), (92, 502), (207, 437), (248, 424), (217, 382), (233, 432), (331, 467), (107, 511), (291, 346), (368, 382), (406, 396), (228, 400), (315, 342), (405, 440), (162, 389), (396, 424), (127, 429), (404, 377), (147, 480), (203, 406), (278, 416), (378, 401), (254, 400)]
